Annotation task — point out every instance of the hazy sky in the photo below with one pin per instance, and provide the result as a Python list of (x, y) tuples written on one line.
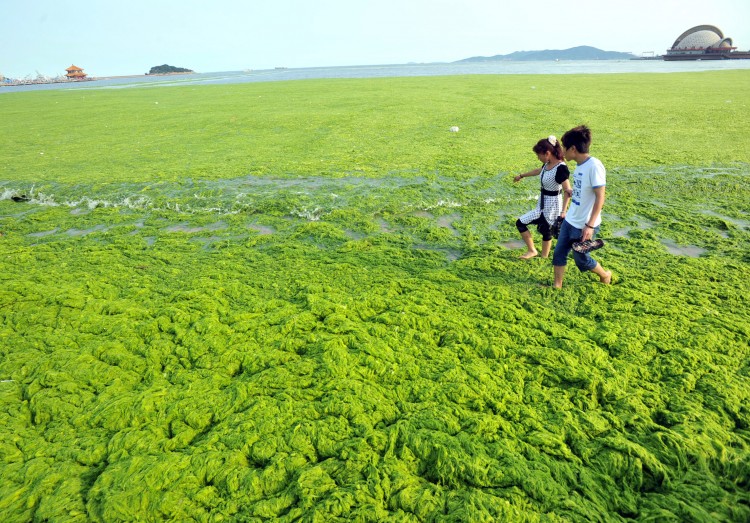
[(120, 37)]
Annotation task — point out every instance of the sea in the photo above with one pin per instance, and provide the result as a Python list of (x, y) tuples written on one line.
[(396, 70)]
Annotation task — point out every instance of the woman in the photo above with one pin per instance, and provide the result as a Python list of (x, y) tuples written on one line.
[(554, 181)]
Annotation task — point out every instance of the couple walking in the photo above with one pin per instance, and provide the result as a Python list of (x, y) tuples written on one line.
[(579, 203)]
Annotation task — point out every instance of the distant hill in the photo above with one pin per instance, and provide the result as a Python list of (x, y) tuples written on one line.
[(166, 69), (583, 52)]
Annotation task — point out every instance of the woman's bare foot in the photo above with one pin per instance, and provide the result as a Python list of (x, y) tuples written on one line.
[(606, 278), (528, 254)]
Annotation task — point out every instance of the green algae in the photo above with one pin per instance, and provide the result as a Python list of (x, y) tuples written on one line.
[(324, 347), (372, 128)]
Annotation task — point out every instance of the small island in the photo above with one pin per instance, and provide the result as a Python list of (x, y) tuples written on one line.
[(168, 69)]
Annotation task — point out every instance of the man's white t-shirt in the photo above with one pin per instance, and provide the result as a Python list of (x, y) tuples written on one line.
[(588, 175)]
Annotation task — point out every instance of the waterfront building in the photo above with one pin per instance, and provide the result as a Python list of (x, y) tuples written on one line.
[(703, 42), (75, 73)]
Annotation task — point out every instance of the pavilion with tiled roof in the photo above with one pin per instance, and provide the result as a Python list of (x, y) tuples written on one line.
[(75, 72)]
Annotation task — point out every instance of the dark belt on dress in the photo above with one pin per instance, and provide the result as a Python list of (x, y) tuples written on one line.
[(545, 192)]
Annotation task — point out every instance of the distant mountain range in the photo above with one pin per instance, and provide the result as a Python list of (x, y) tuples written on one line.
[(582, 52)]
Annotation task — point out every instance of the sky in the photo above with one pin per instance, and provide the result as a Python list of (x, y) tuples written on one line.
[(128, 37)]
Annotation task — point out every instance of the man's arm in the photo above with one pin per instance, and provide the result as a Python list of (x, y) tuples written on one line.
[(588, 232)]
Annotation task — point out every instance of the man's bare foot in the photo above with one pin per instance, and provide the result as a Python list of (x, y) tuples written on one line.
[(606, 279), (528, 254)]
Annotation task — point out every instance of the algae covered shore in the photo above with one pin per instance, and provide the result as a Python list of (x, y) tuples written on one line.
[(302, 301)]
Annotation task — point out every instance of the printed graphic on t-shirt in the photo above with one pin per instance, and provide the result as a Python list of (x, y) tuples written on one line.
[(577, 186)]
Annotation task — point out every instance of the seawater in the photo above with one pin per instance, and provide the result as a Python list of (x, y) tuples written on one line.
[(397, 70)]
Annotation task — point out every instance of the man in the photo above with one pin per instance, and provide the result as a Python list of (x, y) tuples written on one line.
[(584, 214)]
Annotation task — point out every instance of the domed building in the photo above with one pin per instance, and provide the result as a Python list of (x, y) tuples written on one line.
[(703, 42)]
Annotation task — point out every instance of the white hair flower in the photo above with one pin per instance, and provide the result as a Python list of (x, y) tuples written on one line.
[(552, 140)]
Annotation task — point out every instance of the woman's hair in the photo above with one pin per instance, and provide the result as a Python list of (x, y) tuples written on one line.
[(578, 137), (550, 145)]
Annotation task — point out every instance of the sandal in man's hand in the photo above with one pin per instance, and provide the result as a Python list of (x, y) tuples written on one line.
[(588, 246)]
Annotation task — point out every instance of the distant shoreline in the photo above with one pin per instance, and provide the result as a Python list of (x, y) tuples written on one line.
[(169, 74), (44, 81), (63, 80), (510, 67)]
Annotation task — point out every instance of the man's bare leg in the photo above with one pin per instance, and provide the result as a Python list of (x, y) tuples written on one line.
[(605, 277), (559, 275)]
